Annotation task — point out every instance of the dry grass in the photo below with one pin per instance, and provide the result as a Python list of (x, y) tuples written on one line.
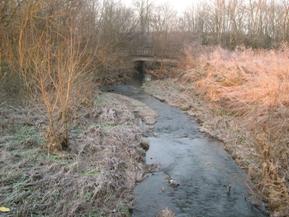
[(58, 50), (46, 49), (253, 87), (96, 177)]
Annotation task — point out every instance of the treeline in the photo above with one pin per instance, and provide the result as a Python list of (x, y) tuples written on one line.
[(253, 23), (57, 49), (99, 30)]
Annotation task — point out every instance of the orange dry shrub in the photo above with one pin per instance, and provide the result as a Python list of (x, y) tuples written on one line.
[(46, 47), (254, 86)]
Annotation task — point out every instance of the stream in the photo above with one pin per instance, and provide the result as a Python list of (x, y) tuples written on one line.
[(210, 184)]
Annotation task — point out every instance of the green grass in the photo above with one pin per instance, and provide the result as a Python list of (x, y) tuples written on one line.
[(123, 209), (100, 100), (88, 196), (24, 133), (105, 126), (19, 186), (91, 172), (77, 130), (95, 213)]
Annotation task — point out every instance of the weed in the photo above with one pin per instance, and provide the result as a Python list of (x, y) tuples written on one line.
[(25, 133), (88, 196), (91, 172), (252, 88), (95, 213), (123, 209), (60, 160)]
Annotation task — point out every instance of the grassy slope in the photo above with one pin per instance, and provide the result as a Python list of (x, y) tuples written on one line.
[(241, 98), (95, 178)]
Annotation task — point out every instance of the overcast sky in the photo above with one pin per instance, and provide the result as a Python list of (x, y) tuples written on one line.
[(179, 5)]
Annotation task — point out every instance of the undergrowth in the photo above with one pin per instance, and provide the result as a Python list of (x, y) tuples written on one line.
[(95, 177), (252, 87)]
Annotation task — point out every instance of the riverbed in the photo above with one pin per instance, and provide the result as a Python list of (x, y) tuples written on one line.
[(196, 176)]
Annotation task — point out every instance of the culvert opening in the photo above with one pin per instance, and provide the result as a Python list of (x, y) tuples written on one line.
[(140, 71)]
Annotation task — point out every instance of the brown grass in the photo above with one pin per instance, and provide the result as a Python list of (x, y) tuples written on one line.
[(96, 177), (47, 50), (253, 86)]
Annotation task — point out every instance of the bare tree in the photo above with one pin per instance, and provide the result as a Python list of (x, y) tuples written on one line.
[(47, 48)]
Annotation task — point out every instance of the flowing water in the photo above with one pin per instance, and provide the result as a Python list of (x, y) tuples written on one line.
[(210, 182)]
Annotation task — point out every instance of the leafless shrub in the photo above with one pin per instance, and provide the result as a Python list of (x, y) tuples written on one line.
[(49, 52), (252, 86), (230, 23)]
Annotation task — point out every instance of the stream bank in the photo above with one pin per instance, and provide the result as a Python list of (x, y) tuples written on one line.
[(196, 176), (96, 176)]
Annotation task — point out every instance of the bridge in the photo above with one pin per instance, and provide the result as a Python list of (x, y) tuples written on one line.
[(149, 55), (147, 59), (155, 50), (161, 47), (154, 59)]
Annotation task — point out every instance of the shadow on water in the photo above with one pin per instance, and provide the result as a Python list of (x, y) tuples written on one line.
[(199, 164)]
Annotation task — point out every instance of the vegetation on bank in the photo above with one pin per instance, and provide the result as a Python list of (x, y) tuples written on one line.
[(253, 87), (243, 96), (55, 53), (54, 49), (57, 49), (95, 177)]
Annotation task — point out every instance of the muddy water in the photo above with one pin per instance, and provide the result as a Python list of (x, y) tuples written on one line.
[(210, 183)]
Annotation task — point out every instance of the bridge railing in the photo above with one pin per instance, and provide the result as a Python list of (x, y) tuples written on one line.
[(147, 52), (171, 53), (151, 52)]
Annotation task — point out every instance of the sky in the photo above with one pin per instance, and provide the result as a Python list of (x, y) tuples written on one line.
[(178, 5)]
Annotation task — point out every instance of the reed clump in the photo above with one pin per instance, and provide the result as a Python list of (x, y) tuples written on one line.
[(253, 86)]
